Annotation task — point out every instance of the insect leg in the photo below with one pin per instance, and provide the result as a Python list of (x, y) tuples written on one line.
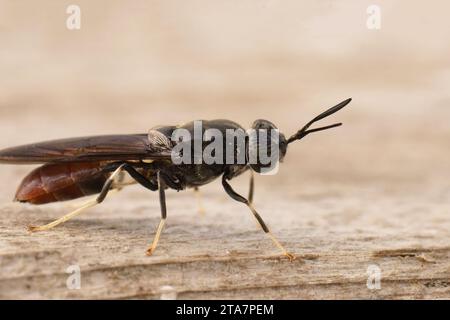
[(162, 202), (105, 189), (143, 181), (116, 186), (251, 189), (233, 194), (137, 176), (198, 195), (119, 182)]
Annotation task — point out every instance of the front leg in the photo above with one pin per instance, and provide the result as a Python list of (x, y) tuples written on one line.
[(233, 194)]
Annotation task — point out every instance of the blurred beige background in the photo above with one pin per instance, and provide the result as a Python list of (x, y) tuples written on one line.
[(137, 64)]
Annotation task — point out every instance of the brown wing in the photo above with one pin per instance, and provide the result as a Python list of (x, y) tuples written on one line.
[(94, 148)]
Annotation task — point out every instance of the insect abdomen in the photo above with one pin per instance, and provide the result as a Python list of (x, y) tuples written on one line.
[(61, 181)]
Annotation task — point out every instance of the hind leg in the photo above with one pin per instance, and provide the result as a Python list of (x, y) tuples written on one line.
[(105, 189), (118, 184)]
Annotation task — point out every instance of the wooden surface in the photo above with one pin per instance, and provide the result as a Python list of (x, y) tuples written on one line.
[(336, 237), (374, 192)]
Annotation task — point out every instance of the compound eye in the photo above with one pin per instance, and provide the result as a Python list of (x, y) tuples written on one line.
[(264, 150)]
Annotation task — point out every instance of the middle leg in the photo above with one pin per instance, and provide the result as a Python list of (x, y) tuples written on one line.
[(251, 189), (162, 202)]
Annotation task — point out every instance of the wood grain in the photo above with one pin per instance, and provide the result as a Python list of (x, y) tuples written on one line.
[(223, 254)]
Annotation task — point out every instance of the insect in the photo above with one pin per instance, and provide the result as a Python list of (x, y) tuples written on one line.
[(77, 167)]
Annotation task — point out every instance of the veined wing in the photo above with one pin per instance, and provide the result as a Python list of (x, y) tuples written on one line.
[(93, 148)]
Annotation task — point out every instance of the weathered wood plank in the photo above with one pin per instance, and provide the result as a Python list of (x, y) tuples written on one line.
[(223, 254)]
